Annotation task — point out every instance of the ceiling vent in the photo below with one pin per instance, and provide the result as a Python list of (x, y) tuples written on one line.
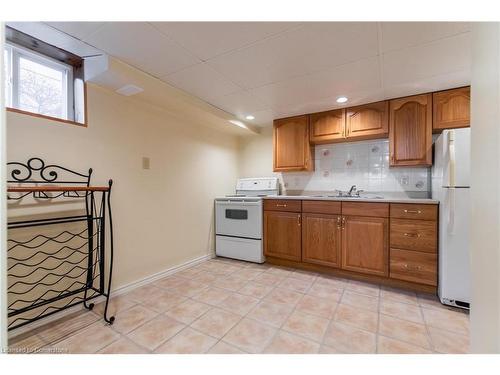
[(129, 90)]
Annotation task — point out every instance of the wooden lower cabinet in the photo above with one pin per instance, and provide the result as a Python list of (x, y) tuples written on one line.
[(365, 245), (387, 243), (414, 266), (282, 235), (321, 238)]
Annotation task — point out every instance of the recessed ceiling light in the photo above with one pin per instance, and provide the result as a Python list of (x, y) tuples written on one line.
[(341, 99), (250, 117)]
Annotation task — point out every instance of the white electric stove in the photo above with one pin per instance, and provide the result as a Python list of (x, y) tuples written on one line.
[(238, 219)]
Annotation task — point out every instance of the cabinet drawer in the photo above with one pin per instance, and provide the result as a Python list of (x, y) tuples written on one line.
[(413, 266), (283, 205), (414, 211), (321, 207), (365, 209), (416, 235)]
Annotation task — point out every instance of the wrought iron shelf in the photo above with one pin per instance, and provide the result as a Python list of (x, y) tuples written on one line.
[(50, 270), (54, 188)]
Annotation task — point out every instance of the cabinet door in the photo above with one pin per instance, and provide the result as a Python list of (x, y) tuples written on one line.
[(327, 126), (292, 151), (321, 239), (368, 121), (451, 109), (282, 235), (410, 131), (365, 245)]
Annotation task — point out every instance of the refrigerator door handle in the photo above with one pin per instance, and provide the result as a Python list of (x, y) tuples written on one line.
[(451, 211), (451, 151)]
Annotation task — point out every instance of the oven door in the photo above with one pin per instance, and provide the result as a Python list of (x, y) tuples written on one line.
[(238, 218)]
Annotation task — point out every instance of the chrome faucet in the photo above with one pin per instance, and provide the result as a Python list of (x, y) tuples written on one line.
[(351, 193)]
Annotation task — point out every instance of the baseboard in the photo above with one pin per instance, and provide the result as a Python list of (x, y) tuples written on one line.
[(115, 292), (148, 279)]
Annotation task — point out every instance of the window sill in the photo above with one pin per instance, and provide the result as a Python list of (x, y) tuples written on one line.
[(15, 110)]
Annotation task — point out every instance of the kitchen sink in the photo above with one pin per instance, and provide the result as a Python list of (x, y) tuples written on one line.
[(353, 197)]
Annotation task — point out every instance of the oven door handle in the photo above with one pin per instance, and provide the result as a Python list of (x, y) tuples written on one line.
[(240, 203)]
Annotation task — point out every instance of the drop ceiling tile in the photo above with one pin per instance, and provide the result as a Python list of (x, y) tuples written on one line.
[(397, 35), (77, 29), (313, 47), (422, 62), (202, 81), (240, 104), (210, 39), (341, 80), (262, 118), (329, 103), (141, 45), (429, 84)]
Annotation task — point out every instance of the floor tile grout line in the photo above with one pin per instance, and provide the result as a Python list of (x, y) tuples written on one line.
[(404, 340), (288, 317), (277, 329), (71, 334), (124, 337), (282, 274), (332, 320), (429, 337), (378, 322)]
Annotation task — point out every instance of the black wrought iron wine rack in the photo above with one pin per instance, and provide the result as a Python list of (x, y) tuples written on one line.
[(56, 261)]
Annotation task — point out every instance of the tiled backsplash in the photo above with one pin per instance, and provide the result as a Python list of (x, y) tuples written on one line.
[(364, 164)]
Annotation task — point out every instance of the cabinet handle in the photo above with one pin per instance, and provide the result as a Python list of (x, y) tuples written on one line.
[(298, 220), (280, 205), (339, 225), (410, 268), (413, 212), (412, 235), (343, 222)]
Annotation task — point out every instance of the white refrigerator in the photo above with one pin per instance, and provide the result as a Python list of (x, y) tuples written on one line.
[(451, 186)]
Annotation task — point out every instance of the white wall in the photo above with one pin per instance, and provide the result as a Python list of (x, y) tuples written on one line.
[(256, 154), (485, 189), (163, 216), (337, 166)]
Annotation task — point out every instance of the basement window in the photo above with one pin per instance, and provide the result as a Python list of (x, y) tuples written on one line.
[(43, 80)]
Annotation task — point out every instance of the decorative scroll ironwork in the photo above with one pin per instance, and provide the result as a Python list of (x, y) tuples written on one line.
[(53, 270), (35, 171)]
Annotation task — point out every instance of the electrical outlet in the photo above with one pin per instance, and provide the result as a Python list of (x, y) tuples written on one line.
[(405, 180), (146, 163)]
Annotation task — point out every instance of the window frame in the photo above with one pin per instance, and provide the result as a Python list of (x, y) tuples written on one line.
[(16, 52)]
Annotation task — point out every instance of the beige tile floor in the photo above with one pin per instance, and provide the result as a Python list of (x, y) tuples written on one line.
[(226, 306)]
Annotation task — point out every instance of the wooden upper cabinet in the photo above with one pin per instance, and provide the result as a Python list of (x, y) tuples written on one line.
[(282, 235), (365, 246), (327, 127), (321, 239), (451, 109), (292, 151), (410, 131), (368, 121)]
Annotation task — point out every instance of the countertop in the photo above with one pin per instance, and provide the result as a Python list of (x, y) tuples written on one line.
[(367, 198)]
